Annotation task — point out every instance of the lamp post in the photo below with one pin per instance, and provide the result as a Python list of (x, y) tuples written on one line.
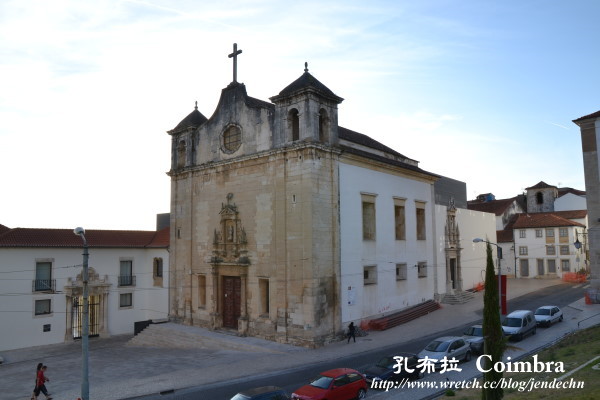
[(85, 384), (501, 293)]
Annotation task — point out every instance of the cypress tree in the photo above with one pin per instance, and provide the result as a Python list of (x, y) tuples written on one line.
[(494, 341)]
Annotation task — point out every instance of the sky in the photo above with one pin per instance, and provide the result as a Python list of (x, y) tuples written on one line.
[(480, 91)]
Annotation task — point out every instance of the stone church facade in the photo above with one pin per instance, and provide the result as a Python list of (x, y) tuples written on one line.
[(279, 217)]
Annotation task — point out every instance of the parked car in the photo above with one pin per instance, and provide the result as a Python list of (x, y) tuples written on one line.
[(449, 347), (547, 315), (474, 336), (262, 393), (385, 369), (519, 324), (335, 384)]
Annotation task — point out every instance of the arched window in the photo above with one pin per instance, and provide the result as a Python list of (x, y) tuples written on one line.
[(181, 154), (294, 124), (539, 198), (323, 125)]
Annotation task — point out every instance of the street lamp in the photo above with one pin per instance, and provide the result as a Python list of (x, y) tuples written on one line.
[(85, 384), (501, 294)]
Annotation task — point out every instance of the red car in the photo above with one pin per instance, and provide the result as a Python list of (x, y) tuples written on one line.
[(335, 384)]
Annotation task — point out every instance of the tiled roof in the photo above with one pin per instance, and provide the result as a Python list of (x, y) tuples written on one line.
[(193, 120), (34, 237), (504, 236), (365, 140), (566, 190), (497, 207), (572, 214), (542, 220), (307, 81), (541, 185), (386, 160), (592, 115)]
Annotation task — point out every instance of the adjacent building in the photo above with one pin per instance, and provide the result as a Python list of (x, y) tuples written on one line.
[(42, 288)]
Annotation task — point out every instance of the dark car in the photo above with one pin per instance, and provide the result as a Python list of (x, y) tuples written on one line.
[(335, 384), (385, 368), (262, 393)]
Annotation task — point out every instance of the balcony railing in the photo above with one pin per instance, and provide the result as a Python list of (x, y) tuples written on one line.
[(126, 280), (44, 285)]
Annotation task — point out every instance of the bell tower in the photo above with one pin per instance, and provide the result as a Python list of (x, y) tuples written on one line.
[(306, 111)]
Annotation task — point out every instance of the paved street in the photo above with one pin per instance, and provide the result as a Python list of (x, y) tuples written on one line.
[(118, 371)]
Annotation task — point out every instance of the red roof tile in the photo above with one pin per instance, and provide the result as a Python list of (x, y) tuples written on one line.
[(592, 115), (497, 207), (541, 220), (504, 236), (541, 185), (32, 237)]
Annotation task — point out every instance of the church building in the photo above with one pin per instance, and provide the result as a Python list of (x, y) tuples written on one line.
[(287, 226)]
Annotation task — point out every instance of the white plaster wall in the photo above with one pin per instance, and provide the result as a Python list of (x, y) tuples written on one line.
[(536, 249), (570, 202), (471, 224), (19, 327), (388, 295)]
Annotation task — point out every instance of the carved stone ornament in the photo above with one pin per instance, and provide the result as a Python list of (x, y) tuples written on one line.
[(230, 240)]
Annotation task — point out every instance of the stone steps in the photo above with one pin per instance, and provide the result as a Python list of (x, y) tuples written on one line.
[(458, 298), (404, 316)]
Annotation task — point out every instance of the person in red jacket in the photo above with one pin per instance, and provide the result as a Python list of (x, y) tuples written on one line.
[(41, 384)]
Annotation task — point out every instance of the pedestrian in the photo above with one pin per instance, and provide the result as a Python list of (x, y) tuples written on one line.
[(41, 384), (35, 385), (351, 332)]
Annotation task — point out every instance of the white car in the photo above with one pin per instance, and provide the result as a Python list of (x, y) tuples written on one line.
[(449, 347), (547, 315)]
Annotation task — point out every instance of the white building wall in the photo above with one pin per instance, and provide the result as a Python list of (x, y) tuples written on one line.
[(20, 327), (570, 202), (471, 224), (360, 301), (536, 250)]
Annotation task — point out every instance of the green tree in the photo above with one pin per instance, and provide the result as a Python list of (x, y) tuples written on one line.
[(494, 341)]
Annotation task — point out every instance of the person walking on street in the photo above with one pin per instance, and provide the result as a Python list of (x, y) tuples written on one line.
[(41, 384), (37, 370), (351, 332)]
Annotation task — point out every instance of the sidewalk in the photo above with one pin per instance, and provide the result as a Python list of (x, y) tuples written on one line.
[(118, 371)]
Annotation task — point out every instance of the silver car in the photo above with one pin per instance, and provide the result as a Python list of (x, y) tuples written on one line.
[(474, 336), (449, 347), (547, 315)]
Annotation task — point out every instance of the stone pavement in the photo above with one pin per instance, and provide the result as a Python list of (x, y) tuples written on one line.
[(118, 371)]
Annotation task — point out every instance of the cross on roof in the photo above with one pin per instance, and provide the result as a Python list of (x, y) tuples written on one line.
[(234, 56)]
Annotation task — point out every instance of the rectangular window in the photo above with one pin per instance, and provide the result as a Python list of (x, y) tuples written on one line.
[(550, 251), (125, 273), (549, 232), (43, 307), (201, 291), (263, 286), (43, 276), (158, 267), (400, 220), (563, 232), (564, 250), (401, 272), (125, 300), (522, 233), (522, 250), (421, 233), (368, 217), (422, 266), (370, 275), (538, 233), (565, 265)]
